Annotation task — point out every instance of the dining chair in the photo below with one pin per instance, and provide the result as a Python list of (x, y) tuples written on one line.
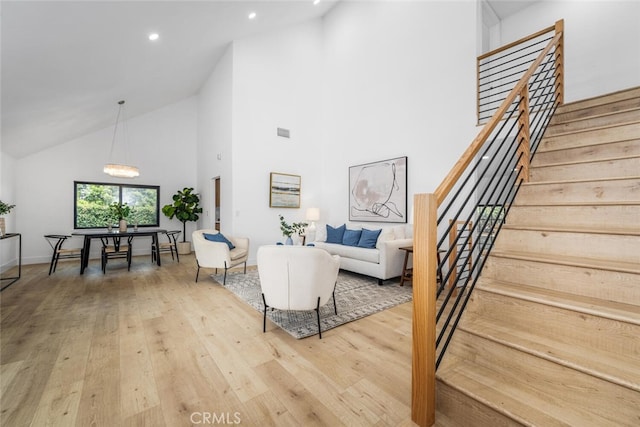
[(56, 241), (169, 246), (116, 250)]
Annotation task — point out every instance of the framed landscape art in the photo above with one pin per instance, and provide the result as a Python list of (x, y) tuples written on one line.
[(284, 190), (378, 191)]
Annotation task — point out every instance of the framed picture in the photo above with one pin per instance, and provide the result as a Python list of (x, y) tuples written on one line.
[(284, 191), (378, 191)]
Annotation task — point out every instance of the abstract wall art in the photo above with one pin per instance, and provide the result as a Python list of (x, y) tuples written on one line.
[(378, 191)]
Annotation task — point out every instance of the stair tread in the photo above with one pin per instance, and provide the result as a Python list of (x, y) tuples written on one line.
[(615, 231), (588, 203), (565, 181), (592, 129), (514, 397), (600, 100), (625, 371), (586, 161), (592, 116), (584, 304), (600, 264)]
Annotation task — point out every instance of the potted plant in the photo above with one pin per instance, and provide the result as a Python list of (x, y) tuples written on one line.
[(185, 207), (120, 211), (289, 229), (4, 209)]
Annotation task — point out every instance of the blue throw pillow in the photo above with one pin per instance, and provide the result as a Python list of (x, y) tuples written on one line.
[(351, 237), (368, 238), (334, 235), (218, 237)]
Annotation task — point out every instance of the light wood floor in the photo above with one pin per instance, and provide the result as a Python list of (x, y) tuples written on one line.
[(150, 347)]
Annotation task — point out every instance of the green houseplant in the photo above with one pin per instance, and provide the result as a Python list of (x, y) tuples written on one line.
[(185, 207), (289, 229), (4, 209), (120, 211)]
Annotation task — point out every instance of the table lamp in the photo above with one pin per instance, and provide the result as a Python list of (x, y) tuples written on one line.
[(312, 215)]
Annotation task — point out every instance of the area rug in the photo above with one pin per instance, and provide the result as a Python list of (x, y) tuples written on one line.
[(357, 296)]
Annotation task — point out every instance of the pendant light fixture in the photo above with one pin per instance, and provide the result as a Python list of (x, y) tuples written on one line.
[(120, 170)]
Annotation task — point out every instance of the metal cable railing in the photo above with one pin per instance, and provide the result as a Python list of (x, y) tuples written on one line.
[(470, 219), (457, 225)]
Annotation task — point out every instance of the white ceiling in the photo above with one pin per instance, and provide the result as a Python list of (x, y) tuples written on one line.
[(66, 64)]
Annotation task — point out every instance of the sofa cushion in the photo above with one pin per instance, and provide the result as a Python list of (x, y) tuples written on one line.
[(334, 235), (351, 237), (369, 238), (353, 252), (218, 237)]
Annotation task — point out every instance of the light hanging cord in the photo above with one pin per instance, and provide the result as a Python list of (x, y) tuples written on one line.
[(116, 169)]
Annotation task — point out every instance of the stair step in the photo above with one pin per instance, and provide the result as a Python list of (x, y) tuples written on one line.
[(580, 191), (600, 135), (593, 121), (532, 390), (469, 402), (617, 368), (602, 103), (611, 282), (618, 218), (578, 243), (588, 152), (590, 169), (595, 311), (575, 230), (600, 264)]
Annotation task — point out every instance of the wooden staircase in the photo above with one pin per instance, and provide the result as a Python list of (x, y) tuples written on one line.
[(551, 335)]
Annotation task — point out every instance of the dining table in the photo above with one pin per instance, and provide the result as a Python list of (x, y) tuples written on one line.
[(89, 234)]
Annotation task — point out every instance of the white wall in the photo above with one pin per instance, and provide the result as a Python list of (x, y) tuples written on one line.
[(276, 83), (215, 142), (602, 42), (162, 144), (399, 81)]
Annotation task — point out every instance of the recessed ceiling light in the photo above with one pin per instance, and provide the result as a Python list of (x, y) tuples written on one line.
[(154, 36), (315, 2), (252, 15)]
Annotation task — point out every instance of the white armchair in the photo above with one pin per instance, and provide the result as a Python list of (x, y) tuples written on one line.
[(297, 278), (214, 254)]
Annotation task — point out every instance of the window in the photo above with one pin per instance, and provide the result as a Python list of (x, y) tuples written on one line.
[(92, 200)]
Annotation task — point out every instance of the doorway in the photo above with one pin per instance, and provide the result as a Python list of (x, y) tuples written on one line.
[(216, 202)]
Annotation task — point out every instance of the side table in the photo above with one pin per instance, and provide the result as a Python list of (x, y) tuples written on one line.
[(407, 273)]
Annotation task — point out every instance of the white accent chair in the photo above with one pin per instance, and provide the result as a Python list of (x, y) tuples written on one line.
[(218, 254), (297, 278)]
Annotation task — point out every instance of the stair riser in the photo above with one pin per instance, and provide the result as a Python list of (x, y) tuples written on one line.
[(599, 136), (573, 328), (596, 246), (589, 153), (603, 284), (583, 396), (602, 104), (580, 192), (605, 217), (465, 411), (591, 170), (593, 122)]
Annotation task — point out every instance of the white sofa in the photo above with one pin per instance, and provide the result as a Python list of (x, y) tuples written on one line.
[(383, 262)]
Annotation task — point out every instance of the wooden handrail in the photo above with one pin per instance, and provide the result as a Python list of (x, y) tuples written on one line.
[(517, 42), (423, 395), (469, 154)]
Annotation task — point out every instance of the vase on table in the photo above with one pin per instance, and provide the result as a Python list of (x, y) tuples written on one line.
[(123, 225), (289, 241)]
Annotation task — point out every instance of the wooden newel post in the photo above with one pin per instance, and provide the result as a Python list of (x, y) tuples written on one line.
[(423, 376)]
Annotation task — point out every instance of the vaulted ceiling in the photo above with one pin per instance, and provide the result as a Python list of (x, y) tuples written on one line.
[(66, 64)]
